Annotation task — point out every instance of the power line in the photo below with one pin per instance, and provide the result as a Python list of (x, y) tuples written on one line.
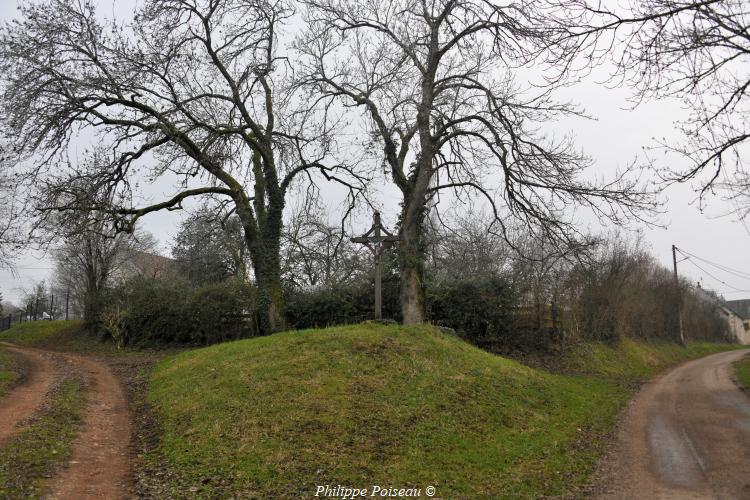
[(726, 269), (714, 277)]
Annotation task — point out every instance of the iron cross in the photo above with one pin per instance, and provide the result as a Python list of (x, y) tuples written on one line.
[(377, 239)]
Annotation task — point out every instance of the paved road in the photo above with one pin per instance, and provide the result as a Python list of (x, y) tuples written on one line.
[(685, 436)]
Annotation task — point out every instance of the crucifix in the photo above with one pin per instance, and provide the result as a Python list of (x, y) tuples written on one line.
[(377, 239)]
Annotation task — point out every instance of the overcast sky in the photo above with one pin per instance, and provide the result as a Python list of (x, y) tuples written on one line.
[(613, 140)]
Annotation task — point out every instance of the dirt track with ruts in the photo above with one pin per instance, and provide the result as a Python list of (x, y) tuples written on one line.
[(686, 435), (24, 399), (99, 465)]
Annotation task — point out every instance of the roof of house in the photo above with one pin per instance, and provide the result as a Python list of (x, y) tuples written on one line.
[(724, 305), (740, 307), (152, 265)]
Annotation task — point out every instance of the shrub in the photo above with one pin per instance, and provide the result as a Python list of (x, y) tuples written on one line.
[(223, 311), (172, 311), (339, 304), (112, 324), (480, 309)]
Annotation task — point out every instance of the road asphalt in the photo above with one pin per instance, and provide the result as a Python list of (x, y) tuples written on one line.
[(686, 435)]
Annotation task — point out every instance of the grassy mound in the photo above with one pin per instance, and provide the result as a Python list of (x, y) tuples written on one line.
[(390, 406)]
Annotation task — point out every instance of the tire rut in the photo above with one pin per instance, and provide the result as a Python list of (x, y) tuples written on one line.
[(22, 401), (99, 466)]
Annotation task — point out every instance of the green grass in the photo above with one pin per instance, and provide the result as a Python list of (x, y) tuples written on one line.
[(365, 405), (8, 372), (63, 336), (38, 333), (742, 369), (633, 360), (36, 452), (394, 406)]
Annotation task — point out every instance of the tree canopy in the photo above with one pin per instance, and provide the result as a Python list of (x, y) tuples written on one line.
[(441, 85), (698, 52), (209, 249), (189, 89)]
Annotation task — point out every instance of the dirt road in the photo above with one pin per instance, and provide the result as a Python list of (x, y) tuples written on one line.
[(99, 466), (685, 436), (26, 397)]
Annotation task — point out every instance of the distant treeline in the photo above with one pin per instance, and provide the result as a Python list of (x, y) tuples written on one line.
[(502, 296), (543, 299)]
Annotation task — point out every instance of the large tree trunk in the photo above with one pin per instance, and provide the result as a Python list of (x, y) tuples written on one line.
[(268, 280), (263, 236), (411, 294), (93, 308), (92, 293), (270, 304), (270, 218), (412, 252)]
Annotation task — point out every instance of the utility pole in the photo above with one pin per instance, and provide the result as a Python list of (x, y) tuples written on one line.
[(52, 307), (678, 294)]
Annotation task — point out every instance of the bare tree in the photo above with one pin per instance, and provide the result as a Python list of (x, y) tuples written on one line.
[(697, 51), (315, 253), (437, 81), (88, 258), (11, 235), (465, 248), (190, 88), (36, 301), (210, 248)]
